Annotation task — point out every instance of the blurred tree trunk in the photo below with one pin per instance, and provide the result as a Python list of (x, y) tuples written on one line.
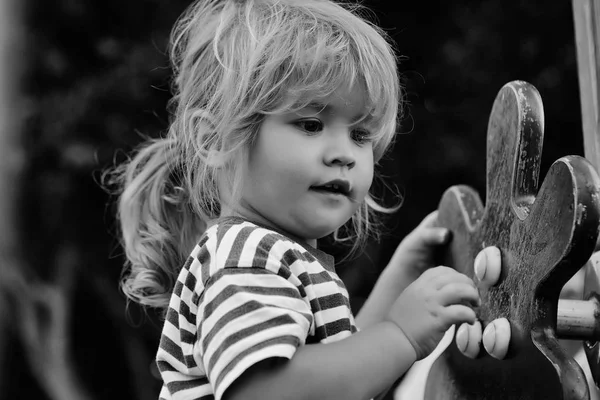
[(11, 160), (33, 313)]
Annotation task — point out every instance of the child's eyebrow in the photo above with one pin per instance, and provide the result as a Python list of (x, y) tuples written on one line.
[(326, 108), (320, 107)]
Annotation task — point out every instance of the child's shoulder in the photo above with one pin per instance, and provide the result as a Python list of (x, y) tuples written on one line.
[(234, 242), (250, 243), (236, 232)]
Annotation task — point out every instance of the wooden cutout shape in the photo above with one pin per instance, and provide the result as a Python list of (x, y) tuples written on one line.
[(544, 239)]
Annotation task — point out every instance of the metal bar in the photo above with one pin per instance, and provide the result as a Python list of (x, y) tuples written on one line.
[(578, 319)]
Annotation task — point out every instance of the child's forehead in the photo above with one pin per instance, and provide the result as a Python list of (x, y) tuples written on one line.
[(352, 99)]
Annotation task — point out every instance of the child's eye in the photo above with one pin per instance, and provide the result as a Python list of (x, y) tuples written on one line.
[(310, 125), (361, 136)]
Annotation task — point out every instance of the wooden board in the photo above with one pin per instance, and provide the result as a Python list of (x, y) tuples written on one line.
[(544, 237), (586, 18)]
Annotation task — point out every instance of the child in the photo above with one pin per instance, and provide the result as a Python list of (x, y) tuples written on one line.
[(282, 108)]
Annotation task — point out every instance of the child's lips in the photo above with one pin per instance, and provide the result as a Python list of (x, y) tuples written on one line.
[(327, 192), (331, 195), (336, 186)]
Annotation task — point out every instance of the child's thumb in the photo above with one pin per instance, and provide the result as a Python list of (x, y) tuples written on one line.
[(430, 220)]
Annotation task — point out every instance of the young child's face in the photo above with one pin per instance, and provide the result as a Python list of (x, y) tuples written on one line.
[(296, 155)]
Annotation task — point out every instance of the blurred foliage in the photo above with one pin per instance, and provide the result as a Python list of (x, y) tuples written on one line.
[(97, 82)]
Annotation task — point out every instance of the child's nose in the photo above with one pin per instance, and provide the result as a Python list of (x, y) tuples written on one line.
[(341, 161), (340, 153)]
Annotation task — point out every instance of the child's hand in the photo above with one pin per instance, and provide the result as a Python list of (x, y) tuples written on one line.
[(425, 310), (415, 254)]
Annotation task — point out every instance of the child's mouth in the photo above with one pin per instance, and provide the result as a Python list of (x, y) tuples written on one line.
[(333, 187)]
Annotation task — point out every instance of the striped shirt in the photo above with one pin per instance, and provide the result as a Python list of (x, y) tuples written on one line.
[(246, 294)]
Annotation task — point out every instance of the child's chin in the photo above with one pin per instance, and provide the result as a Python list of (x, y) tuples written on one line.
[(325, 229)]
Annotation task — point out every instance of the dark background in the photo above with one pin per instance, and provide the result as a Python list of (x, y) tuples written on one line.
[(95, 81)]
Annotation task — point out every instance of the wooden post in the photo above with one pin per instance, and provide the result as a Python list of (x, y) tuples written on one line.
[(586, 14)]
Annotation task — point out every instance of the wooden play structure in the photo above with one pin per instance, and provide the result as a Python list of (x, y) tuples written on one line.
[(544, 236), (546, 232)]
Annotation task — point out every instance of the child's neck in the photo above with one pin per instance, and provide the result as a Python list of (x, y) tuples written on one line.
[(258, 219)]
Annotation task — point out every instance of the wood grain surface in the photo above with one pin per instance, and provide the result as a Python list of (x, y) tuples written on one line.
[(544, 236)]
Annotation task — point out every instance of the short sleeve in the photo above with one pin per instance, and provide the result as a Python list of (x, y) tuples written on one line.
[(247, 315)]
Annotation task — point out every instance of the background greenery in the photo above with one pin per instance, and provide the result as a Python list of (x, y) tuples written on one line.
[(96, 80)]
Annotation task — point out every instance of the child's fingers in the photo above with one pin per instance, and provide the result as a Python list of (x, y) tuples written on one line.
[(429, 232), (458, 293), (441, 276), (433, 236), (459, 313), (430, 220), (439, 271)]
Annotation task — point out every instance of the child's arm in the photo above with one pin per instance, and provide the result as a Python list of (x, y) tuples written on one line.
[(412, 257), (358, 367), (366, 363)]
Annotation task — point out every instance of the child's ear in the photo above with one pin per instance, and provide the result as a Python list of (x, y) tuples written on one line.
[(216, 159)]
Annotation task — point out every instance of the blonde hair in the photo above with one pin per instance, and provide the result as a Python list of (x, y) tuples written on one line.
[(234, 63)]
